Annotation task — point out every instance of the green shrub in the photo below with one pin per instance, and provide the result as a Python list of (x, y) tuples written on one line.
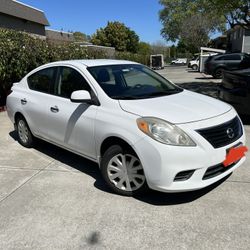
[(21, 53), (140, 58)]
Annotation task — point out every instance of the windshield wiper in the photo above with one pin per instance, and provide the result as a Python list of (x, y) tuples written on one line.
[(161, 93), (124, 97), (148, 95)]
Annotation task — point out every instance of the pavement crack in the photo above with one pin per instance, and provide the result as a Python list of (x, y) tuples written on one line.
[(243, 182), (33, 176)]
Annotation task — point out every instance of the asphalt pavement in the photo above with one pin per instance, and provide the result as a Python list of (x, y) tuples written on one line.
[(53, 199)]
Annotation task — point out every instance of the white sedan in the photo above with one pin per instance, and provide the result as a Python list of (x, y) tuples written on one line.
[(140, 128)]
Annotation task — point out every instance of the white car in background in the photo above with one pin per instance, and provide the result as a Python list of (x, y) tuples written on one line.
[(141, 129), (179, 61), (194, 64)]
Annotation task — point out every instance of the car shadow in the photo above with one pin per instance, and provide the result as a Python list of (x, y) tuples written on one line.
[(208, 88), (72, 161), (90, 168), (192, 71), (205, 78), (162, 199)]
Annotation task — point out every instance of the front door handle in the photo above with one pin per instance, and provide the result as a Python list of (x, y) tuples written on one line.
[(23, 101), (54, 109)]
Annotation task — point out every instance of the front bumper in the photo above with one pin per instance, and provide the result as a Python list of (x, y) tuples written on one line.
[(163, 162)]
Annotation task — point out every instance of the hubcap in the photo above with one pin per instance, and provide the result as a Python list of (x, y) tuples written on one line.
[(22, 131), (126, 172)]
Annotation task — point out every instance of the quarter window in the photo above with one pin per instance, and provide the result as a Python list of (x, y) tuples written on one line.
[(42, 80), (69, 81)]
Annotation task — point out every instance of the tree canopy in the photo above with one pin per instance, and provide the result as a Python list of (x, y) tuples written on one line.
[(235, 12), (81, 37), (117, 35), (193, 21)]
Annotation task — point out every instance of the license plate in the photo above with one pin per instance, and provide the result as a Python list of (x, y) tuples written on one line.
[(234, 154)]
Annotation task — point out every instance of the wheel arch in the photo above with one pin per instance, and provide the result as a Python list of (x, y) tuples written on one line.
[(17, 115), (114, 140)]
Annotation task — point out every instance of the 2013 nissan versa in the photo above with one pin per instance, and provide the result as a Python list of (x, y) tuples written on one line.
[(140, 128)]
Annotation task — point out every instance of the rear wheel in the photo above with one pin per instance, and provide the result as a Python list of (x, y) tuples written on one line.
[(25, 136), (122, 171)]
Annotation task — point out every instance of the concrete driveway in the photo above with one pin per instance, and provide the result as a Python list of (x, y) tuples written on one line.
[(53, 199)]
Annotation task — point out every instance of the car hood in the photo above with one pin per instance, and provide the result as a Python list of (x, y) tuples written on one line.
[(183, 107)]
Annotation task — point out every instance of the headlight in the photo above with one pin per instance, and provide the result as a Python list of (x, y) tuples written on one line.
[(164, 132)]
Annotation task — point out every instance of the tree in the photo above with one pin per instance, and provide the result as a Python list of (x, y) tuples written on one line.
[(178, 16), (81, 37), (194, 33), (236, 12), (144, 48), (160, 47), (193, 21), (117, 35)]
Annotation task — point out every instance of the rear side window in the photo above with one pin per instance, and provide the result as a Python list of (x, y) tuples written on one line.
[(233, 57), (230, 58), (42, 80), (69, 81)]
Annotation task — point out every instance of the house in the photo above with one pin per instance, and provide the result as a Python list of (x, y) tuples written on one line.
[(18, 16), (219, 42), (238, 39)]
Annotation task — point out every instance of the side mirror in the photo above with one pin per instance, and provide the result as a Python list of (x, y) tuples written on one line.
[(81, 96)]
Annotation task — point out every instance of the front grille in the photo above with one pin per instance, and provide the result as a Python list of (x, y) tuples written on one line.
[(217, 170), (223, 134)]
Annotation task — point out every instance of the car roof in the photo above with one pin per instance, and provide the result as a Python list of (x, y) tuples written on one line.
[(92, 62), (229, 54)]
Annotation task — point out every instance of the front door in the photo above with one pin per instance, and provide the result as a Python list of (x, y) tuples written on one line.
[(71, 124)]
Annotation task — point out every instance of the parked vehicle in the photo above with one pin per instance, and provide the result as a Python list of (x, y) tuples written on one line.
[(235, 88), (157, 61), (194, 63), (179, 61), (215, 65), (140, 128)]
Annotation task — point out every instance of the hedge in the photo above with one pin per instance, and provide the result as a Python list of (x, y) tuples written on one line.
[(20, 53)]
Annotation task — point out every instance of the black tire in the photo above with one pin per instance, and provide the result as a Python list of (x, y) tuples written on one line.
[(107, 159), (195, 67), (25, 137), (218, 73)]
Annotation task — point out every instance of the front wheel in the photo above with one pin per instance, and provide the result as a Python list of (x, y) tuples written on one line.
[(195, 67), (122, 171), (25, 136)]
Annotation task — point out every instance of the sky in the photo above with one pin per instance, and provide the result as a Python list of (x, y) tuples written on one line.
[(88, 15)]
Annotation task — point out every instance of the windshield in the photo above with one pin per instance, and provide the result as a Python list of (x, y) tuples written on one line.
[(131, 81)]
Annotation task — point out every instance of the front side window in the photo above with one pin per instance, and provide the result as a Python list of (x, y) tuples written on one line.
[(131, 81), (70, 80), (42, 80)]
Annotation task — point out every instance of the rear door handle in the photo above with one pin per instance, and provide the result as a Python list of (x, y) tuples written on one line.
[(23, 101), (54, 109)]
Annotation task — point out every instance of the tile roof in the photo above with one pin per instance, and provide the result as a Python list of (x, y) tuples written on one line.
[(26, 12)]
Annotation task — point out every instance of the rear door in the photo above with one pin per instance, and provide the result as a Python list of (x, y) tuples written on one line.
[(232, 61), (34, 101), (71, 124)]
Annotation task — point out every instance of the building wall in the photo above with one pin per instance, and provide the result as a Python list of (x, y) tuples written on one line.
[(59, 37), (246, 44), (235, 40), (10, 22)]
